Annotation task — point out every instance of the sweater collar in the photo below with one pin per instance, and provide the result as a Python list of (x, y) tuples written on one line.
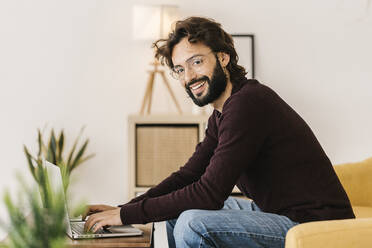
[(236, 87)]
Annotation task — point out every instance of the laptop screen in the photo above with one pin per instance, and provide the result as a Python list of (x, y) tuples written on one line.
[(56, 184)]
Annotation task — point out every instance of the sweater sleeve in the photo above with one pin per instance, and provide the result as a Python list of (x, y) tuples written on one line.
[(192, 170), (241, 133)]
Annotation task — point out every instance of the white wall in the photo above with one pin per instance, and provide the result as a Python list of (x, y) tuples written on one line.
[(73, 63)]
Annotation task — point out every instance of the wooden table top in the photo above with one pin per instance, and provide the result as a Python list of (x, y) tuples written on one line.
[(143, 241)]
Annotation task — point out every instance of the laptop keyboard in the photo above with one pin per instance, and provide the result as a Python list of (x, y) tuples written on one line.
[(78, 227)]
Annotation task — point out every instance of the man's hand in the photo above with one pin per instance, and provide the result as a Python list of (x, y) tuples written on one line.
[(92, 209), (103, 218)]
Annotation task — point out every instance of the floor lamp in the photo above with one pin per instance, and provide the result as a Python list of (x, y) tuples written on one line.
[(152, 22), (150, 85)]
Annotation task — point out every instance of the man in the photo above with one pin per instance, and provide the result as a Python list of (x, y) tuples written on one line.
[(254, 140)]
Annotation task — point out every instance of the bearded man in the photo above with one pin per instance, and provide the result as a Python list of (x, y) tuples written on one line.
[(254, 140)]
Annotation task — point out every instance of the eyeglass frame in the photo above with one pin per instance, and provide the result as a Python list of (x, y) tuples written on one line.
[(189, 64)]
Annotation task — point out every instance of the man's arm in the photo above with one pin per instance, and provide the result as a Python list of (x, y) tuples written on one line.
[(189, 173), (242, 130), (192, 170)]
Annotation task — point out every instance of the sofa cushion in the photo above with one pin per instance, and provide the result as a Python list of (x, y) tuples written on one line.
[(356, 179), (362, 212), (348, 233)]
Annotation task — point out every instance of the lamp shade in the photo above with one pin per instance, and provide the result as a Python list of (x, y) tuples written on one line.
[(152, 22)]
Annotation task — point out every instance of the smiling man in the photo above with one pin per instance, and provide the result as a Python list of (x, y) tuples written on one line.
[(254, 140)]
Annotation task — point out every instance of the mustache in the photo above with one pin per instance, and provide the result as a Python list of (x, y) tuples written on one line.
[(204, 78)]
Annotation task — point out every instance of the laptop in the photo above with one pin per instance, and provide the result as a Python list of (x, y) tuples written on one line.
[(74, 227)]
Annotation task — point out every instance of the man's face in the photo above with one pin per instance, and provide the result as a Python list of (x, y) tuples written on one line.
[(200, 71)]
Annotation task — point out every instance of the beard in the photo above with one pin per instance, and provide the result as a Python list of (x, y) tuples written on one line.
[(216, 86)]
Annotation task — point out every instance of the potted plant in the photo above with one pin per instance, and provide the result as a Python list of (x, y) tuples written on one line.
[(53, 152)]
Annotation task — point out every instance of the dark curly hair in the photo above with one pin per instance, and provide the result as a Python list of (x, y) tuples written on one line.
[(207, 31)]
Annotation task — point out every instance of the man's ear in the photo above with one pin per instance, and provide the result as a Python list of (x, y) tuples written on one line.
[(224, 58)]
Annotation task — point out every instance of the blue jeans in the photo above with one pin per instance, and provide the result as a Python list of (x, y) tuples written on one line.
[(240, 223)]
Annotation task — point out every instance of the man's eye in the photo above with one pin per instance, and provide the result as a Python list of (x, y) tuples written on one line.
[(178, 70), (197, 62)]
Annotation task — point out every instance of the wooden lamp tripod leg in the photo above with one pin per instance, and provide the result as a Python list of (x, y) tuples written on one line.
[(150, 94)]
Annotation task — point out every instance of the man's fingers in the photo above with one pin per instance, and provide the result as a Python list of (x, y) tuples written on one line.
[(88, 223), (99, 225), (91, 209), (87, 213), (93, 219), (98, 220)]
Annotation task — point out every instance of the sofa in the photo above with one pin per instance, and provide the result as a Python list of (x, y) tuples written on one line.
[(349, 233)]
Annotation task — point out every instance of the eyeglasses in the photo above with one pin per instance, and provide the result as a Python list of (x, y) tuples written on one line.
[(195, 63)]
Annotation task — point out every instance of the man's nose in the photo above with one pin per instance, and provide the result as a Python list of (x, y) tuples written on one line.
[(189, 75)]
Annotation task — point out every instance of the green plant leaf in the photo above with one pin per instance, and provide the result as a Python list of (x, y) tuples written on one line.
[(70, 157), (83, 160), (29, 162), (17, 221), (61, 140), (40, 142), (65, 172), (79, 155), (44, 186), (51, 156), (43, 227), (44, 149)]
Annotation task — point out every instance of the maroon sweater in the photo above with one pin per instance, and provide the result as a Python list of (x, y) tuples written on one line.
[(263, 146)]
